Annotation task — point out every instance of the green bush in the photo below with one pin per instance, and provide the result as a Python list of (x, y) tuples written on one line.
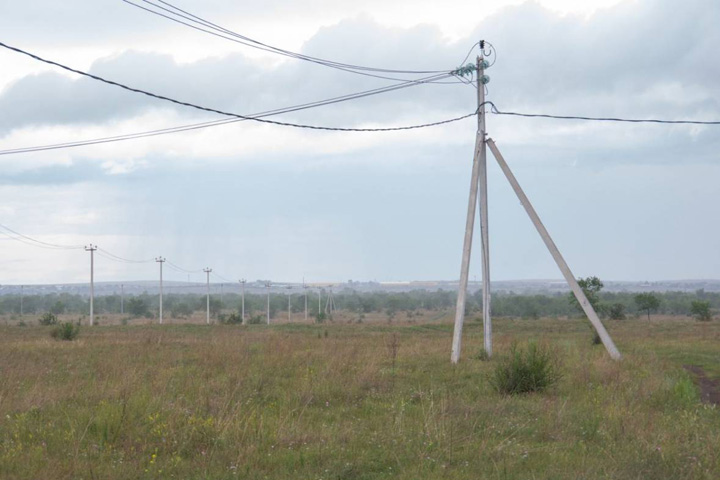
[(65, 331), (255, 320), (48, 318), (233, 319), (701, 310), (482, 355), (530, 369), (616, 311)]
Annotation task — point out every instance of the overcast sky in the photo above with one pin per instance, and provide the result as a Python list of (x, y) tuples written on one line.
[(622, 201)]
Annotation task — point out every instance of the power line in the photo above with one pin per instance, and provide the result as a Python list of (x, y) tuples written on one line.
[(220, 277), (182, 17), (181, 269), (117, 258), (33, 241), (230, 114), (495, 110), (197, 126)]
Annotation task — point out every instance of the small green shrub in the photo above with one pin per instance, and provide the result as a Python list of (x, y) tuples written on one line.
[(48, 318), (482, 355), (255, 320), (685, 392), (530, 369), (233, 319), (65, 331), (616, 311), (701, 310)]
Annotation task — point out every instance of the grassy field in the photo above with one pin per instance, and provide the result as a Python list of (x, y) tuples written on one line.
[(353, 401)]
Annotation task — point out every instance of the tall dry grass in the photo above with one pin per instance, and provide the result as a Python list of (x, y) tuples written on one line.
[(351, 401)]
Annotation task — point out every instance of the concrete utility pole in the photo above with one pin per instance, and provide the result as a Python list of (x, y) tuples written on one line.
[(91, 248), (557, 256), (289, 307), (267, 285), (122, 299), (319, 301), (329, 302), (207, 271), (22, 292), (483, 191), (478, 182), (161, 260), (242, 302), (306, 309)]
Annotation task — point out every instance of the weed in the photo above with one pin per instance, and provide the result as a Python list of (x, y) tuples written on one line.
[(233, 319), (616, 311), (530, 369), (482, 355), (48, 318), (65, 331)]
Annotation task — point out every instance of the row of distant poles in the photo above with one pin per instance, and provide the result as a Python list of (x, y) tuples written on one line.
[(479, 183), (328, 310)]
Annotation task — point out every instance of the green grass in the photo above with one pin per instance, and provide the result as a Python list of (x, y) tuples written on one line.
[(368, 401)]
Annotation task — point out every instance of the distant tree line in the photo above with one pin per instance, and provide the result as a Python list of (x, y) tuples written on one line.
[(503, 304)]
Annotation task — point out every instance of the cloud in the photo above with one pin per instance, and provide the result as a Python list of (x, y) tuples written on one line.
[(248, 197)]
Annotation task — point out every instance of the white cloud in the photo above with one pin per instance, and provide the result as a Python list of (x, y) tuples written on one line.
[(272, 201)]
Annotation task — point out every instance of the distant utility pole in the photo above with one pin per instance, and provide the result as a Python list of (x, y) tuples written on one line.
[(319, 301), (161, 260), (242, 302), (267, 285), (122, 299), (207, 271), (289, 307), (91, 248), (22, 288), (330, 303), (305, 291)]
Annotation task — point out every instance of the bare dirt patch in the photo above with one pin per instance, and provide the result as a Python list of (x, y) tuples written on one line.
[(709, 388)]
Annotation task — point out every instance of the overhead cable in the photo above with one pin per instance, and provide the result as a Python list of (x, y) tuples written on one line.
[(231, 114), (117, 258), (197, 126), (33, 241), (494, 109), (195, 22)]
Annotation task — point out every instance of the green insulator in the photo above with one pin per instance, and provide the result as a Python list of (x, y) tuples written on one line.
[(484, 79), (485, 64)]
